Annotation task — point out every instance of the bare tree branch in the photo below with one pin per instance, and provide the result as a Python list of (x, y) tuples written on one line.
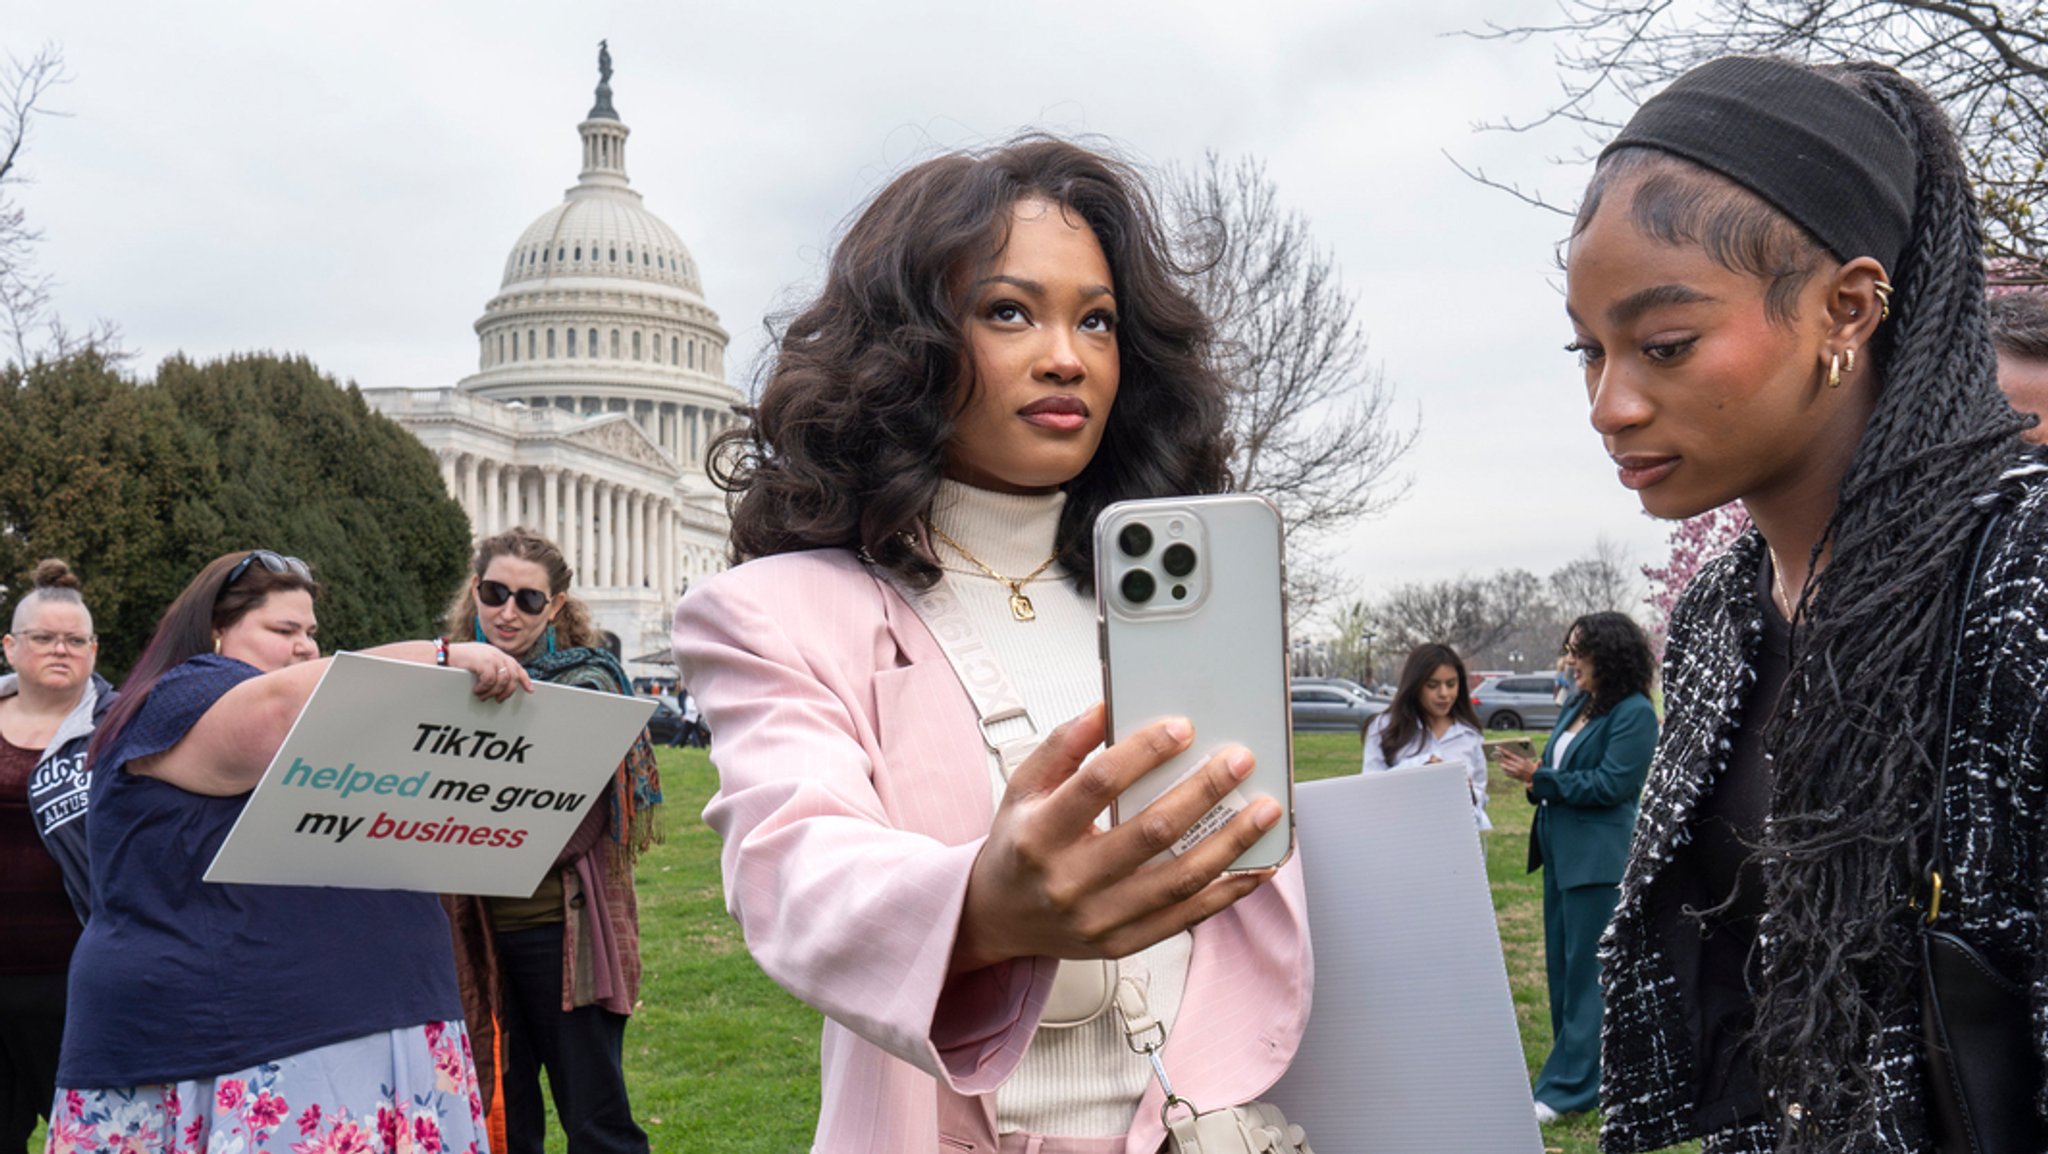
[(24, 292), (1313, 417), (1985, 60)]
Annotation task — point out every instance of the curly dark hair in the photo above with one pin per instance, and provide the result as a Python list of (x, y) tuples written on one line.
[(1871, 649), (845, 447), (1405, 717), (1623, 662)]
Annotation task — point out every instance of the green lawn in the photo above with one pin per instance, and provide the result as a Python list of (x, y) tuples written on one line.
[(720, 1059)]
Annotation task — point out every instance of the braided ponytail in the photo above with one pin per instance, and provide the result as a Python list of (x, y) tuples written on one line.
[(1855, 745)]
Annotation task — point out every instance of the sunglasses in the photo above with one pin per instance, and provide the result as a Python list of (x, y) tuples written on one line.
[(275, 562), (496, 593)]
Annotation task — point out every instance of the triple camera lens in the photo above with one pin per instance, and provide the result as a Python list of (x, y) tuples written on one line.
[(1138, 585)]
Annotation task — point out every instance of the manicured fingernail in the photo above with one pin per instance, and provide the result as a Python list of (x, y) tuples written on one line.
[(1240, 762), (1180, 729), (1266, 814)]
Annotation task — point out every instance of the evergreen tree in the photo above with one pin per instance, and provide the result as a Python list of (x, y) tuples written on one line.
[(139, 484)]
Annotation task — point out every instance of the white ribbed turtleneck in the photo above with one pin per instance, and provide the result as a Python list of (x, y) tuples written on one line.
[(1082, 1081)]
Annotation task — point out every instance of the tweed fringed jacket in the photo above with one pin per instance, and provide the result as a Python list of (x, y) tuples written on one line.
[(1996, 833)]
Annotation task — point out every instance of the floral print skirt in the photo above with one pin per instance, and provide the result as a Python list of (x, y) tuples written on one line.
[(410, 1091)]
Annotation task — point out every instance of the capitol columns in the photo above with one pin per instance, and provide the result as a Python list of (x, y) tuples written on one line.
[(487, 524), (643, 522), (586, 512), (668, 552), (603, 533), (551, 505), (465, 467), (618, 538)]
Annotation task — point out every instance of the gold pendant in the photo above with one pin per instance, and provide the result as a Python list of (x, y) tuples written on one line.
[(1020, 605)]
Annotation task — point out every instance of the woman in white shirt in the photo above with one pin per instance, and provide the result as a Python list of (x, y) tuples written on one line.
[(1431, 722)]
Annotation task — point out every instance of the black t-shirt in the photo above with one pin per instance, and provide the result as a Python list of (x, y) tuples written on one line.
[(1726, 897)]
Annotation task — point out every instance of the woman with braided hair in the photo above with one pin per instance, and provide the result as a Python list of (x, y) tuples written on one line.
[(1776, 286)]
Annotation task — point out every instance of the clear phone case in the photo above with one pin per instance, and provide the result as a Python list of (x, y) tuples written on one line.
[(1193, 621)]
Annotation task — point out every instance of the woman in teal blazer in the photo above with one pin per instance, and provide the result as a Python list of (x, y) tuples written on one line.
[(1584, 789)]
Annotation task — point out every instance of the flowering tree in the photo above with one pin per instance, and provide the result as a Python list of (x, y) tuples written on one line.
[(1694, 542)]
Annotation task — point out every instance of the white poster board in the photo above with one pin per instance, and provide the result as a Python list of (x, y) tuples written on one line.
[(1411, 1047), (396, 776)]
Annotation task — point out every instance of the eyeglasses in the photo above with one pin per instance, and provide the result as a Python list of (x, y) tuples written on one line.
[(43, 641), (275, 562), (496, 593)]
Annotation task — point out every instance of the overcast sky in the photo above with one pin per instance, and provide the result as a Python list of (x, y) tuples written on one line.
[(345, 181)]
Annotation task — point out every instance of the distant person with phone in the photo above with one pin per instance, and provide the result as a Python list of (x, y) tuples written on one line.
[(1002, 348), (1585, 788), (1432, 722)]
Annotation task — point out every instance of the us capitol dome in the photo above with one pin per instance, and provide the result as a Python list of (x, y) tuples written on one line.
[(600, 382)]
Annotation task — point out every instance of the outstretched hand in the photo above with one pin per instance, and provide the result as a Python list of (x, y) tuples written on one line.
[(1049, 883)]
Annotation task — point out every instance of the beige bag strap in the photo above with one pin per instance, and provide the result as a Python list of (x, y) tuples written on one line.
[(1146, 1036), (1006, 725)]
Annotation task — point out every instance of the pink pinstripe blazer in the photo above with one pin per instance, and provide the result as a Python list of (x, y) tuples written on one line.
[(854, 794)]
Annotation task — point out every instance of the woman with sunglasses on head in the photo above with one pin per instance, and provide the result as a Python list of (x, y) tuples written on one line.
[(1776, 286), (1584, 788), (1432, 722), (1002, 348), (558, 971), (49, 704), (263, 1018)]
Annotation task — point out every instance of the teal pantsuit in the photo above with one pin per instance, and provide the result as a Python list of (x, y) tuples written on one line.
[(1585, 814)]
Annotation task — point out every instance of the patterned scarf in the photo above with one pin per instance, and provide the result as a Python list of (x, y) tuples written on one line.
[(636, 787)]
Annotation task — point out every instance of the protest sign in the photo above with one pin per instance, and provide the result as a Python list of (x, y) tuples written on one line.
[(396, 776), (1412, 1046)]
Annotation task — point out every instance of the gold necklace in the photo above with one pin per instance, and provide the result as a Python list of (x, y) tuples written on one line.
[(1020, 605), (1785, 604)]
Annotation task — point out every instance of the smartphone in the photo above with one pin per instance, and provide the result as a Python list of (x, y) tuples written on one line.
[(1192, 619), (1521, 745)]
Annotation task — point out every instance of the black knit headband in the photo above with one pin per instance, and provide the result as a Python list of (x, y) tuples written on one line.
[(1816, 150)]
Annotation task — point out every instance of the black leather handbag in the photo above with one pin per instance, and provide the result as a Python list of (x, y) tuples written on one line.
[(1982, 1069)]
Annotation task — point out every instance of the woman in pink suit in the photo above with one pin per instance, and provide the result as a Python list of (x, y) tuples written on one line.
[(1001, 349)]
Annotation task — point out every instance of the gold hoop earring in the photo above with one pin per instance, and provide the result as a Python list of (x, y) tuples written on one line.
[(1884, 299), (216, 645), (1849, 359), (1835, 371)]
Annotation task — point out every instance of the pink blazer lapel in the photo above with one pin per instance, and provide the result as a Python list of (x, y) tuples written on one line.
[(933, 770)]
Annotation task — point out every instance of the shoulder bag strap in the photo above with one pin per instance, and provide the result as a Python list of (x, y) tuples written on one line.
[(1937, 857), (1006, 725)]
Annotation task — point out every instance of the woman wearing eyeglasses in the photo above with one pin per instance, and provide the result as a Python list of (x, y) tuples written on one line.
[(558, 972), (256, 1018), (48, 707)]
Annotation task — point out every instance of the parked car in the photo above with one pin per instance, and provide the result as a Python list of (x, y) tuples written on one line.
[(665, 725), (1517, 701), (1381, 697), (1318, 705)]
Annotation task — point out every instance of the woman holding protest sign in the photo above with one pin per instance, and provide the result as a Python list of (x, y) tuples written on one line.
[(262, 1017), (559, 971), (1775, 284), (1002, 348)]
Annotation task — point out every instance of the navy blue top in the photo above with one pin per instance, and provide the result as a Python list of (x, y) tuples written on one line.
[(176, 978)]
